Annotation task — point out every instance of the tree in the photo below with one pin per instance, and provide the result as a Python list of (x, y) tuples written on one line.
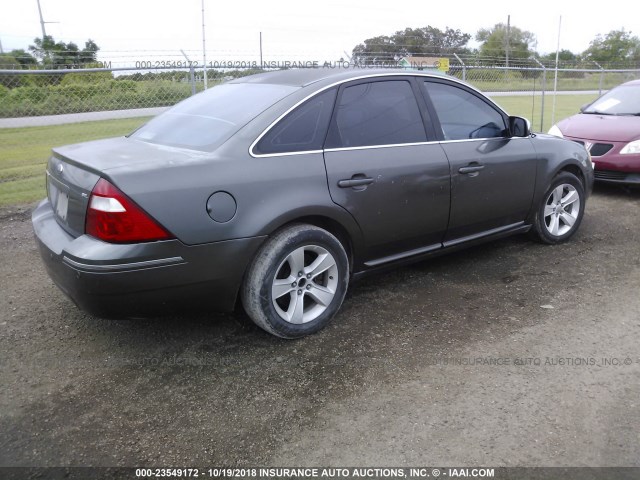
[(54, 54), (25, 59), (494, 42), (89, 52), (564, 55), (15, 60), (615, 46), (9, 62), (44, 48), (411, 41)]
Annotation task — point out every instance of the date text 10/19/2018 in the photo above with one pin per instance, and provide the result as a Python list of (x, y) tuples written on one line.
[(313, 472), (269, 64)]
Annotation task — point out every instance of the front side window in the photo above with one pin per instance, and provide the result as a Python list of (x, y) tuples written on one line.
[(463, 115), (304, 129), (377, 113), (205, 121)]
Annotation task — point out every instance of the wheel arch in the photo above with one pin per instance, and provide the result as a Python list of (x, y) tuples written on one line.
[(549, 169), (575, 170), (348, 239), (539, 230), (300, 234), (332, 226)]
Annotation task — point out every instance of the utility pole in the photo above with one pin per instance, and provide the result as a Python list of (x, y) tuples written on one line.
[(508, 33), (1, 50), (192, 73), (204, 49), (555, 78), (261, 50), (42, 22)]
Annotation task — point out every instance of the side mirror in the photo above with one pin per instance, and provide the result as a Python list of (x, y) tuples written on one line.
[(519, 127)]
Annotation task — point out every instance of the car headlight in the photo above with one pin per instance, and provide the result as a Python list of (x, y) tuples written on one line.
[(555, 131), (631, 148)]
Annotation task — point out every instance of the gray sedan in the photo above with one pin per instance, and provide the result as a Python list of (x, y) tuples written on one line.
[(275, 191)]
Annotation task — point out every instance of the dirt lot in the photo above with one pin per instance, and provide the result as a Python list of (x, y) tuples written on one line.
[(455, 361)]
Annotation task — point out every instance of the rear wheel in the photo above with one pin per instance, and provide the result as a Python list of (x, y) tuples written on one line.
[(297, 282), (560, 213)]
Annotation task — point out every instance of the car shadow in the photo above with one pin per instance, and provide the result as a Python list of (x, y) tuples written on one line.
[(486, 284), (617, 191), (368, 301)]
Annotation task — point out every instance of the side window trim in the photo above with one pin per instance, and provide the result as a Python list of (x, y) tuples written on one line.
[(428, 127), (425, 112), (372, 147), (285, 116), (436, 119), (430, 119)]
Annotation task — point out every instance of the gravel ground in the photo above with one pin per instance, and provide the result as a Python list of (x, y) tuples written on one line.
[(511, 353)]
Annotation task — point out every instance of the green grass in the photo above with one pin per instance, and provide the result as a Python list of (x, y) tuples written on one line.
[(489, 80), (24, 153), (530, 107)]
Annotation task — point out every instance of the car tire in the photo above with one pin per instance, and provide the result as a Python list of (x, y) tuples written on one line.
[(297, 281), (560, 212)]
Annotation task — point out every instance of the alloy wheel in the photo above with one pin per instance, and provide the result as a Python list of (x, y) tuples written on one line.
[(562, 209), (305, 284)]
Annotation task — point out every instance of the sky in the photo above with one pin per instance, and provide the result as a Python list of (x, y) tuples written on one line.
[(137, 30)]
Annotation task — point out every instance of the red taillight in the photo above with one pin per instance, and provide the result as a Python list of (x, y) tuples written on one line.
[(114, 217)]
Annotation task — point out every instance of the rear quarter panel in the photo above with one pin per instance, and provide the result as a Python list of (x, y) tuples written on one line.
[(269, 191)]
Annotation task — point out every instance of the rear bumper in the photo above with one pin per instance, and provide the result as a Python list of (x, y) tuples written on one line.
[(131, 280)]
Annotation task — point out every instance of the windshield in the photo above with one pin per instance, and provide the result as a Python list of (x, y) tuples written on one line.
[(205, 121), (622, 100)]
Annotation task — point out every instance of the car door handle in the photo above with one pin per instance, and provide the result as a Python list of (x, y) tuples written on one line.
[(471, 169), (355, 182)]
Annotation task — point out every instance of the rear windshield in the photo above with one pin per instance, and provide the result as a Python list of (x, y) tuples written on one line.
[(205, 121), (623, 100)]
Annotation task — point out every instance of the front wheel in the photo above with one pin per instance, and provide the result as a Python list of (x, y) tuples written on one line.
[(297, 281), (560, 213)]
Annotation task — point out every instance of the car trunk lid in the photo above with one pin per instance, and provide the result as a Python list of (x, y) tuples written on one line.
[(74, 170), (68, 190)]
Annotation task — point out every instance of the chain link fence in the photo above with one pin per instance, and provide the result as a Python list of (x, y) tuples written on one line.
[(37, 93), (41, 109), (541, 79)]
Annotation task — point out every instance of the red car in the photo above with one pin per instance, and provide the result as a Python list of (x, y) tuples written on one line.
[(609, 128)]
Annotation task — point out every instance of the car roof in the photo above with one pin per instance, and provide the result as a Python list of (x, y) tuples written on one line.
[(301, 77), (632, 82)]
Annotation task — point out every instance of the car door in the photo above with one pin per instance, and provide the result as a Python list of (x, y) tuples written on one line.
[(492, 175), (383, 169)]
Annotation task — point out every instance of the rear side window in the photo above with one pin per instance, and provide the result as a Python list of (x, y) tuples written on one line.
[(462, 115), (377, 113), (303, 129), (205, 121)]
